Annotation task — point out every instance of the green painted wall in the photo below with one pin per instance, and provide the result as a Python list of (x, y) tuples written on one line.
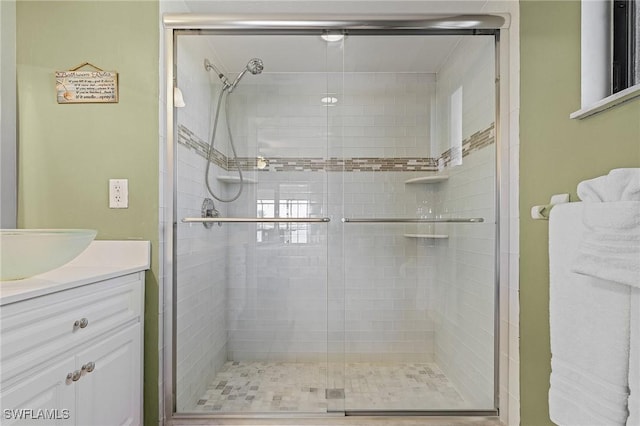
[(556, 153), (67, 153)]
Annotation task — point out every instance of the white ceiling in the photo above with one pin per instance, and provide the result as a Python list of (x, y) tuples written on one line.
[(312, 54)]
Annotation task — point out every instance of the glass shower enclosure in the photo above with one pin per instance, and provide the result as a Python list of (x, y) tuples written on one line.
[(335, 223)]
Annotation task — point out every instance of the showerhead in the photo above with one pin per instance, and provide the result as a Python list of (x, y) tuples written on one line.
[(254, 66)]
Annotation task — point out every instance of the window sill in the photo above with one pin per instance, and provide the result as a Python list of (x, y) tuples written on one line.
[(608, 102)]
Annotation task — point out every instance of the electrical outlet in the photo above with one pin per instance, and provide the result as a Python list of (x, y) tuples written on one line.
[(118, 193)]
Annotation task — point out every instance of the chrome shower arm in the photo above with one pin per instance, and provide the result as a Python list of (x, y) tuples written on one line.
[(208, 66)]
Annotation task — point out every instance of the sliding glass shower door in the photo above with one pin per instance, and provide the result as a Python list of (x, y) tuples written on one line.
[(336, 225), (252, 284), (418, 223)]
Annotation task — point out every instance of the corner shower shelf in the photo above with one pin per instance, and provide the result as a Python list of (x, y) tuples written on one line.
[(427, 179), (430, 236), (234, 179)]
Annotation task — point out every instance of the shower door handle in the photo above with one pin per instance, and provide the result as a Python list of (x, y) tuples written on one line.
[(412, 220), (256, 219)]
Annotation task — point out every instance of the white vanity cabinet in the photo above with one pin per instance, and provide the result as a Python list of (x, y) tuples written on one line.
[(74, 356)]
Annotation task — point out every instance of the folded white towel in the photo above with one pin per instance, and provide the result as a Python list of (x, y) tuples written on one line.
[(618, 185), (610, 247), (589, 320), (634, 360)]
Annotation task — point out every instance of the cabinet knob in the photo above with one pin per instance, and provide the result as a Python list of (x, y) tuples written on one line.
[(81, 323), (89, 367), (73, 377)]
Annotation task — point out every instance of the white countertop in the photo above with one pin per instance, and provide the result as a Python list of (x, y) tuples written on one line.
[(100, 261)]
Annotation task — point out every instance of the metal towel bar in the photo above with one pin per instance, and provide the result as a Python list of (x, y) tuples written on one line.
[(325, 219), (412, 220), (256, 219)]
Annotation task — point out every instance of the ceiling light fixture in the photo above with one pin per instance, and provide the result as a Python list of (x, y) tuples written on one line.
[(329, 37), (329, 100), (457, 24)]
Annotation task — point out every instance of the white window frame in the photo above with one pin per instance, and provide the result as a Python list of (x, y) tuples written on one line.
[(596, 62)]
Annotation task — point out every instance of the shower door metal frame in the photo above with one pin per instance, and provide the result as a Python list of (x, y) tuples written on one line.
[(205, 24)]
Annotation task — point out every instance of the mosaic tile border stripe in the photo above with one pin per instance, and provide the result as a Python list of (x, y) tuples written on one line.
[(333, 164), (187, 138), (473, 143)]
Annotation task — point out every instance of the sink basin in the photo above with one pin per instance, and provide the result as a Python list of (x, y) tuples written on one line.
[(28, 252)]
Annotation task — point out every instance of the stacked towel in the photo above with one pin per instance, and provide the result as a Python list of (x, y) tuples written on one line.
[(607, 262), (610, 249), (589, 320), (634, 360), (618, 185)]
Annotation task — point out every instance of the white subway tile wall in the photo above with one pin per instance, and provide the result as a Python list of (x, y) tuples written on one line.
[(201, 254), (472, 67), (377, 114), (201, 299), (386, 297), (277, 273), (464, 286), (200, 90)]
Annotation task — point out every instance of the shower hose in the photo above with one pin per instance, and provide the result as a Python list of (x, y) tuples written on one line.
[(233, 149)]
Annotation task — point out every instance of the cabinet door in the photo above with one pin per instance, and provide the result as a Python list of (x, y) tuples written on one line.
[(44, 397), (110, 395)]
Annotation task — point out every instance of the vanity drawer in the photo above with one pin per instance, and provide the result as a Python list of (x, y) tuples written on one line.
[(37, 330)]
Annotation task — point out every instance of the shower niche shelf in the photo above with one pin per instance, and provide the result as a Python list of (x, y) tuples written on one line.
[(427, 179), (428, 236), (234, 179)]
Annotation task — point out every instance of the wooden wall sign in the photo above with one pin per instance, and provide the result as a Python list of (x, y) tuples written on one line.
[(86, 86)]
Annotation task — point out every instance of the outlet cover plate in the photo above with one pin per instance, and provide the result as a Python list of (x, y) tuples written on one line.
[(118, 193)]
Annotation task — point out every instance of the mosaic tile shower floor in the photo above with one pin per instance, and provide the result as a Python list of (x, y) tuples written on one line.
[(303, 387)]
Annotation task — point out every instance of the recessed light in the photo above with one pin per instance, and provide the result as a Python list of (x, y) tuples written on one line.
[(332, 37), (329, 100)]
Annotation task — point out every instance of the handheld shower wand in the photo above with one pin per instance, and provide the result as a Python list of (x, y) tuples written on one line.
[(254, 66)]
